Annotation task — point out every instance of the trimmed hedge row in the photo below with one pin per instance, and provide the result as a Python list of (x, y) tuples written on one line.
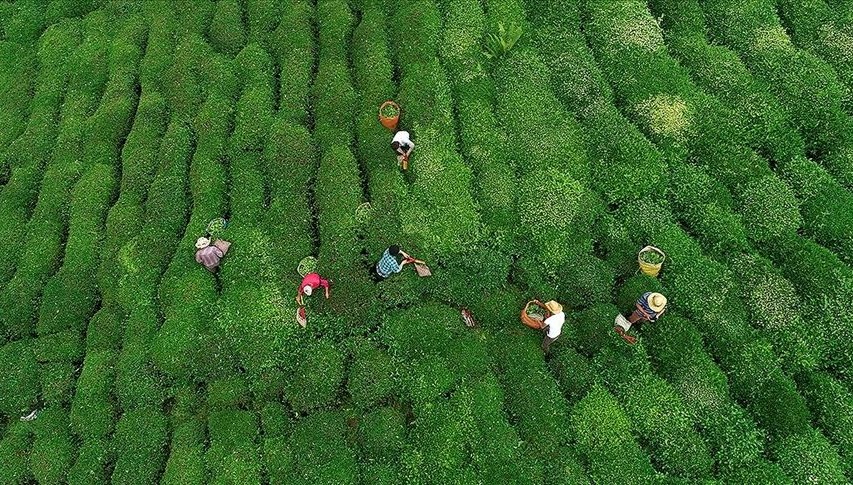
[(372, 74), (825, 286), (535, 404), (226, 32), (677, 353), (439, 213), (186, 465), (831, 404), (17, 79), (232, 456), (600, 427), (426, 344), (14, 453), (26, 156), (140, 443), (41, 247), (807, 86), (483, 142), (52, 451), (825, 205), (293, 46), (661, 420), (184, 347)]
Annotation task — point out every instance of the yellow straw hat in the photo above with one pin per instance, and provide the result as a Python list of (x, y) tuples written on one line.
[(554, 307), (656, 301)]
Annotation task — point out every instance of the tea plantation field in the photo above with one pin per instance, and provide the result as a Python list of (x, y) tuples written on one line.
[(720, 131)]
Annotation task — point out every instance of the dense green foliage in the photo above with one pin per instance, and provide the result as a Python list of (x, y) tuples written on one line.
[(720, 131)]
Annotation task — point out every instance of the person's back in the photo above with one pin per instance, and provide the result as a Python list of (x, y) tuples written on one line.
[(209, 255), (389, 263)]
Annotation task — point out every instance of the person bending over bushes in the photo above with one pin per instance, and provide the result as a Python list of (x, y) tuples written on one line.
[(391, 262), (403, 146), (310, 282), (649, 308), (210, 249)]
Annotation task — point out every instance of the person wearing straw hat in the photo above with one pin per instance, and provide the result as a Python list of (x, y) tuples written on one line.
[(402, 145), (210, 253), (553, 325), (649, 308)]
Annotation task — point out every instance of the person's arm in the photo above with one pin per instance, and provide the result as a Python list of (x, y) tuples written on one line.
[(411, 147), (325, 285), (299, 295)]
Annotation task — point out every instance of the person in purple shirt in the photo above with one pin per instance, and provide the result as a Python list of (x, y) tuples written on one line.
[(209, 254)]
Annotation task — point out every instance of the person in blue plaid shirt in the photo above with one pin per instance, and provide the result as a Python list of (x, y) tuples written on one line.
[(392, 261)]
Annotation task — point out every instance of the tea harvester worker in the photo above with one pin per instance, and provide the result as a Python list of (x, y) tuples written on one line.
[(403, 146), (391, 262), (553, 325), (648, 308), (311, 282), (210, 253)]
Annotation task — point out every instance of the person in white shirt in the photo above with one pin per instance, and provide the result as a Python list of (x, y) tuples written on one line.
[(553, 325), (403, 146)]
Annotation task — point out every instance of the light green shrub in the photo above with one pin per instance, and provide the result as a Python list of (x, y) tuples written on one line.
[(227, 32), (315, 376), (370, 377), (93, 410), (323, 454), (53, 450), (232, 456), (186, 458), (600, 426), (831, 404), (809, 457), (141, 438), (19, 387), (93, 458)]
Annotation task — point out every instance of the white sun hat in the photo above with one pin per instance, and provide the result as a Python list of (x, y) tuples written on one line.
[(307, 290), (202, 242)]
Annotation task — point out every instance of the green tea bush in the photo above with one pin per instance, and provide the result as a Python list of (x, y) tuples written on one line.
[(104, 331), (530, 113), (19, 384), (323, 455), (831, 404), (809, 457), (660, 418), (18, 68), (592, 328), (761, 471), (227, 32), (776, 310), (769, 209), (315, 376), (232, 456), (825, 205), (815, 27), (533, 399), (767, 392), (14, 453), (57, 383), (52, 452), (825, 284), (25, 23), (381, 435), (186, 455), (370, 378), (140, 439), (90, 466), (262, 18), (292, 44), (806, 85), (437, 440), (600, 428), (278, 459), (228, 392), (254, 110), (70, 296), (573, 373), (481, 139), (93, 409), (420, 343), (557, 208)]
